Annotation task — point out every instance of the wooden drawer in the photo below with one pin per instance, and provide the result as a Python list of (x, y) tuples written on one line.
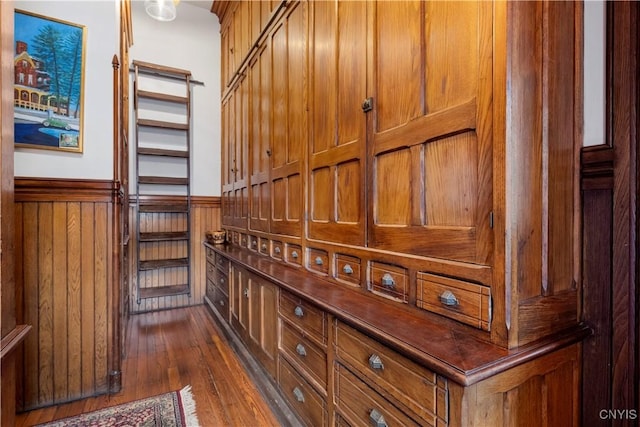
[(211, 269), (307, 402), (211, 289), (348, 269), (294, 254), (389, 281), (253, 243), (409, 383), (211, 255), (264, 246), (221, 302), (307, 318), (362, 406), (304, 352), (221, 280), (222, 263), (318, 261), (465, 302), (277, 249)]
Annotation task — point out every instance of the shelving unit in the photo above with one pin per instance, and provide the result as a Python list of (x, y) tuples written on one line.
[(162, 104)]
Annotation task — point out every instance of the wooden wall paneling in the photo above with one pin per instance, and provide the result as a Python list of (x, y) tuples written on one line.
[(597, 227), (64, 284)]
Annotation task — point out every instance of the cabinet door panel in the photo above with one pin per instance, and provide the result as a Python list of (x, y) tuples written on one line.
[(338, 123), (289, 133), (259, 141), (240, 155), (431, 168)]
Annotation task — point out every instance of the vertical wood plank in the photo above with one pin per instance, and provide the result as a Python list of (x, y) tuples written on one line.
[(102, 258), (74, 300), (88, 262), (44, 287), (60, 342)]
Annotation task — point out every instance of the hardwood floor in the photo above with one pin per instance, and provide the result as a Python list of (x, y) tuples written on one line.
[(167, 350)]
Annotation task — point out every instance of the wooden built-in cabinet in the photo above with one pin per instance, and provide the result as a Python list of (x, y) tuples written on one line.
[(338, 356), (421, 154)]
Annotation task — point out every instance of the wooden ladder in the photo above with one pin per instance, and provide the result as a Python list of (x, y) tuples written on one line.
[(163, 182)]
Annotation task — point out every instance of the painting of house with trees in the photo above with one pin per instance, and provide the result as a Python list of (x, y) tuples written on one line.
[(48, 82)]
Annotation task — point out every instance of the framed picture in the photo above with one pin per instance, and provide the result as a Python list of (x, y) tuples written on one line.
[(48, 90)]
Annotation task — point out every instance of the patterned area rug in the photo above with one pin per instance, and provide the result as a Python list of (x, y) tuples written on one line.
[(174, 409)]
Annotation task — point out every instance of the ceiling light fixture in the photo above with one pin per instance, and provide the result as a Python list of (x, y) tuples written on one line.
[(162, 10)]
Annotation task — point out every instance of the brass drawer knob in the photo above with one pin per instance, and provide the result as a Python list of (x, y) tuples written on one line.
[(377, 419), (221, 303), (298, 311), (347, 269), (319, 261), (277, 250), (294, 254), (264, 246), (387, 281), (246, 292), (297, 393), (375, 362), (301, 350), (448, 298)]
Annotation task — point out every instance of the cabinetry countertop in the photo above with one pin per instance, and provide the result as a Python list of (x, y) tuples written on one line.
[(438, 344)]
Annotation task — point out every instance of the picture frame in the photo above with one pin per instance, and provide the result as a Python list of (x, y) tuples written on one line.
[(49, 66)]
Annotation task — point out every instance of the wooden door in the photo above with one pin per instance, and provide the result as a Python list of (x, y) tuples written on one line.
[(262, 322), (240, 167), (7, 282), (226, 161), (260, 139), (337, 140), (430, 171), (289, 132)]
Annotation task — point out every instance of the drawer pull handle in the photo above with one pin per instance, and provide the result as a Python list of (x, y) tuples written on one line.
[(264, 246), (449, 299), (254, 243), (277, 250), (294, 254), (222, 281), (377, 418), (221, 303), (375, 362), (301, 350), (297, 393), (347, 269), (319, 261), (387, 281), (298, 311), (246, 292)]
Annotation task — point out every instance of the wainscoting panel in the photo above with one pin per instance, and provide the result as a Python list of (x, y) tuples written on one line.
[(205, 215), (63, 276)]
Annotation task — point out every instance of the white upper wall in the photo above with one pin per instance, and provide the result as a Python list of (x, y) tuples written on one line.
[(191, 41), (96, 162)]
